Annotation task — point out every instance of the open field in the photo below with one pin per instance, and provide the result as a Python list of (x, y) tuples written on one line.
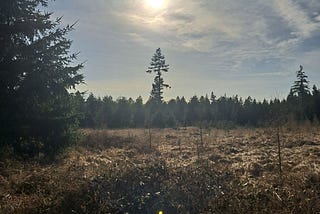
[(116, 171)]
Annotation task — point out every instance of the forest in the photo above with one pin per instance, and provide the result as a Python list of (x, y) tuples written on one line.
[(300, 105), (222, 112), (67, 151)]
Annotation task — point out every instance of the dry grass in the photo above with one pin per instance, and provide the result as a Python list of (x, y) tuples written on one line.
[(115, 171)]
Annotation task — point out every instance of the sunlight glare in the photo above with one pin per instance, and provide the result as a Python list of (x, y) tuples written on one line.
[(156, 4)]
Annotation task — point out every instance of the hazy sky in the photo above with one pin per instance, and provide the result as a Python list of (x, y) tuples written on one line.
[(244, 47)]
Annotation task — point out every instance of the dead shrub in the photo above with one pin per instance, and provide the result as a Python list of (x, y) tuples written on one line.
[(102, 139)]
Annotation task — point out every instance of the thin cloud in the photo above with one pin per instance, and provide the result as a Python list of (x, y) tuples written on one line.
[(180, 16), (231, 38), (296, 17)]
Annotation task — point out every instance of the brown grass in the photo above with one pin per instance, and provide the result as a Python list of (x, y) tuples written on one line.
[(115, 171)]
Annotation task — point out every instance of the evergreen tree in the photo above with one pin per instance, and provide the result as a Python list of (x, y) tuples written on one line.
[(139, 113), (301, 90), (80, 106), (93, 108), (204, 109), (158, 65), (193, 113), (122, 114), (181, 110), (36, 111), (108, 108), (213, 97), (301, 85)]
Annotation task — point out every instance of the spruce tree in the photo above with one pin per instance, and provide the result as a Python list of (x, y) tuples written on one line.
[(158, 65), (300, 90), (37, 113), (301, 85)]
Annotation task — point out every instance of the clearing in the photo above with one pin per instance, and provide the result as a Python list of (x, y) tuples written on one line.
[(116, 171)]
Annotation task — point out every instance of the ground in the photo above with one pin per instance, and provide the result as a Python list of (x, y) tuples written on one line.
[(173, 171)]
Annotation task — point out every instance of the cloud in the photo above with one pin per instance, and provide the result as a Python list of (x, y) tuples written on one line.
[(243, 28), (296, 17), (232, 38), (180, 16)]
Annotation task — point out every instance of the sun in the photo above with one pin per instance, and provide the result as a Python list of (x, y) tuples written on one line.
[(156, 4)]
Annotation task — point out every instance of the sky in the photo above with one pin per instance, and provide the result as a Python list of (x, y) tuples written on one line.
[(233, 47)]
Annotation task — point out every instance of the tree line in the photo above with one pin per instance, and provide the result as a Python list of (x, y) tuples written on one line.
[(210, 110), (301, 104)]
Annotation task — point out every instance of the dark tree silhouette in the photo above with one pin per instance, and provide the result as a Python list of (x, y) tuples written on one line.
[(37, 112), (221, 112), (138, 113), (301, 85), (158, 65), (300, 95)]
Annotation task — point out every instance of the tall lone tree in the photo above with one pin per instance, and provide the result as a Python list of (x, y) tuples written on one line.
[(37, 113), (301, 93), (158, 65), (301, 85)]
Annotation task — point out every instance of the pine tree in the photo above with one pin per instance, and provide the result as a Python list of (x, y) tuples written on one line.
[(37, 113), (158, 65), (301, 85)]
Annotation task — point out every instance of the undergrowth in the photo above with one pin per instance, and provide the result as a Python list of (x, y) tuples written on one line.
[(118, 172)]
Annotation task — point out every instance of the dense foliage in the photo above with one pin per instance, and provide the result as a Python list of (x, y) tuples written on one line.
[(219, 112), (300, 86), (37, 113), (301, 104)]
